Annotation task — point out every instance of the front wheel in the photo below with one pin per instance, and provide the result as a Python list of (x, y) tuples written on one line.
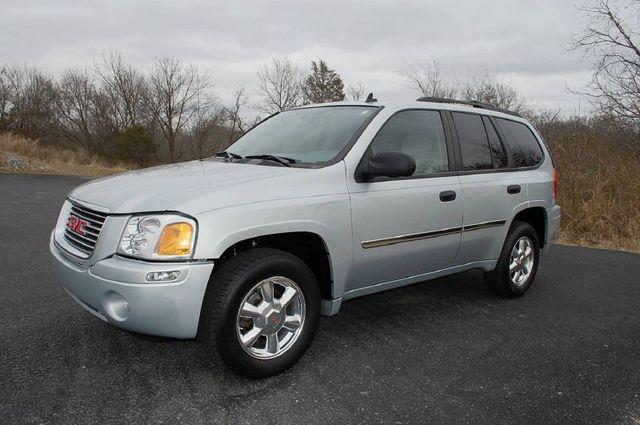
[(518, 262), (261, 312)]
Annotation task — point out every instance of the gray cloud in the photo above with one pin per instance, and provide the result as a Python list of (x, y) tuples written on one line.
[(522, 42)]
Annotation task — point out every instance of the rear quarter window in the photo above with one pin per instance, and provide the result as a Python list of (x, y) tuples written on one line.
[(498, 155), (525, 148)]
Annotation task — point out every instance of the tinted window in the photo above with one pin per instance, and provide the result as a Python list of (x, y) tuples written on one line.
[(416, 133), (474, 144), (524, 146), (498, 155)]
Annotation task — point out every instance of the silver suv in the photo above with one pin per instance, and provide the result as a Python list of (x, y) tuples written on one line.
[(312, 207)]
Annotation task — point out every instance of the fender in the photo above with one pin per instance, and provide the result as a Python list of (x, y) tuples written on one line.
[(221, 229), (527, 205)]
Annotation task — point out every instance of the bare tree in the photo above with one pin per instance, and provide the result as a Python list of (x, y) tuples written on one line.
[(611, 39), (175, 95), (280, 86), (429, 80), (29, 98), (549, 123), (496, 93), (76, 110), (236, 125), (356, 92), (204, 126), (5, 105), (126, 88)]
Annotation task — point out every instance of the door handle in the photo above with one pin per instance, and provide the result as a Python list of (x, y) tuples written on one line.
[(513, 189), (447, 196)]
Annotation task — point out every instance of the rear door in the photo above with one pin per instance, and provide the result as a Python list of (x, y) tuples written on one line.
[(527, 156), (409, 226), (491, 191)]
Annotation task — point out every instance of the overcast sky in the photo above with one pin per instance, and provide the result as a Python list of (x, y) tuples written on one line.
[(522, 42)]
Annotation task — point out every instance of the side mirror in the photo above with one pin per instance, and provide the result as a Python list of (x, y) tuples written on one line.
[(388, 164)]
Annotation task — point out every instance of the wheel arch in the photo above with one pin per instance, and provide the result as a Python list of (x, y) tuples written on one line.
[(536, 216), (307, 245)]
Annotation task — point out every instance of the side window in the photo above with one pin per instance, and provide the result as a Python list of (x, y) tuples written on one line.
[(524, 146), (417, 133), (498, 155), (474, 144)]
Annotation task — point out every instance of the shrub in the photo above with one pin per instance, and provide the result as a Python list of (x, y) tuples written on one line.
[(597, 163)]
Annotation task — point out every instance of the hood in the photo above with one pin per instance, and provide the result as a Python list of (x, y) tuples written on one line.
[(166, 187)]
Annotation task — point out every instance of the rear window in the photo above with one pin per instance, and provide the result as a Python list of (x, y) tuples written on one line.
[(479, 142), (524, 146), (476, 154)]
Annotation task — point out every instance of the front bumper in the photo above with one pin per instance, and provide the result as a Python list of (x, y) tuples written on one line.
[(115, 290)]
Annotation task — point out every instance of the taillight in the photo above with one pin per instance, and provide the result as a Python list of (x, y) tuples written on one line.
[(555, 186)]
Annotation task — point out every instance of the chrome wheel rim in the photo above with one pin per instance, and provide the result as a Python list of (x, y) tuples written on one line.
[(521, 261), (270, 317)]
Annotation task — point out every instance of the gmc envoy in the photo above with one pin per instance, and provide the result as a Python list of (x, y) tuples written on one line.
[(312, 207)]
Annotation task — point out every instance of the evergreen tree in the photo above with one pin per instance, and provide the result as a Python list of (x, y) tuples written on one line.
[(135, 145), (323, 84)]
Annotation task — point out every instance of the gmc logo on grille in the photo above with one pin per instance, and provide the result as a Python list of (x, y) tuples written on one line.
[(77, 225)]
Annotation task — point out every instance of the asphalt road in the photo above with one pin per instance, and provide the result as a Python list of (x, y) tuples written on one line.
[(441, 352)]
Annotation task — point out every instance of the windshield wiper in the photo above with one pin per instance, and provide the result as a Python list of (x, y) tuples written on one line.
[(279, 159), (228, 155)]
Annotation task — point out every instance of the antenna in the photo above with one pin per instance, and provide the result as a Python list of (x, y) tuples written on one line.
[(370, 99)]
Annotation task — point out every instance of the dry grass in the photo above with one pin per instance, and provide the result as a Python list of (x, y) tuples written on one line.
[(598, 169), (22, 155), (599, 188)]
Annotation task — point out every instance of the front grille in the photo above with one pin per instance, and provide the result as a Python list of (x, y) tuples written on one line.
[(85, 236)]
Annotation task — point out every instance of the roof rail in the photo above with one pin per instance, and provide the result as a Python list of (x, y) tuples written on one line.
[(473, 103)]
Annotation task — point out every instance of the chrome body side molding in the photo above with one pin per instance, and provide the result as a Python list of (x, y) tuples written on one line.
[(433, 234), (409, 238), (484, 225)]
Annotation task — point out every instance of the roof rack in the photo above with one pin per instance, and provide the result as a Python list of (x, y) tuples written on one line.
[(473, 103)]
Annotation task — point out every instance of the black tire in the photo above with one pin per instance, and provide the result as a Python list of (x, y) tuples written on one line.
[(227, 289), (499, 280)]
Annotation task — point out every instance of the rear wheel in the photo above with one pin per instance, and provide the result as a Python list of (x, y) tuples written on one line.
[(261, 311), (518, 262)]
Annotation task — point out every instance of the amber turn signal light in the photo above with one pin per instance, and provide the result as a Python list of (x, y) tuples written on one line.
[(176, 239)]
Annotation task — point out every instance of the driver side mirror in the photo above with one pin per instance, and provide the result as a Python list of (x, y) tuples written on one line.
[(387, 164)]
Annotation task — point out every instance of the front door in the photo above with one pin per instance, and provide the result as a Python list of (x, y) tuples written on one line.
[(406, 227)]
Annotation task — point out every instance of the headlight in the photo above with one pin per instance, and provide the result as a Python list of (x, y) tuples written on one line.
[(158, 237)]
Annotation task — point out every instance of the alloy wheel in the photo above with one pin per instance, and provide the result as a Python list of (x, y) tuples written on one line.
[(270, 317), (521, 261)]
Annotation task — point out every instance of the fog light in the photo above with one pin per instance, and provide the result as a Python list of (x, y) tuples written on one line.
[(163, 276)]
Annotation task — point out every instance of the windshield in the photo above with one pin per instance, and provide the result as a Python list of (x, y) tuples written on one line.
[(307, 135)]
